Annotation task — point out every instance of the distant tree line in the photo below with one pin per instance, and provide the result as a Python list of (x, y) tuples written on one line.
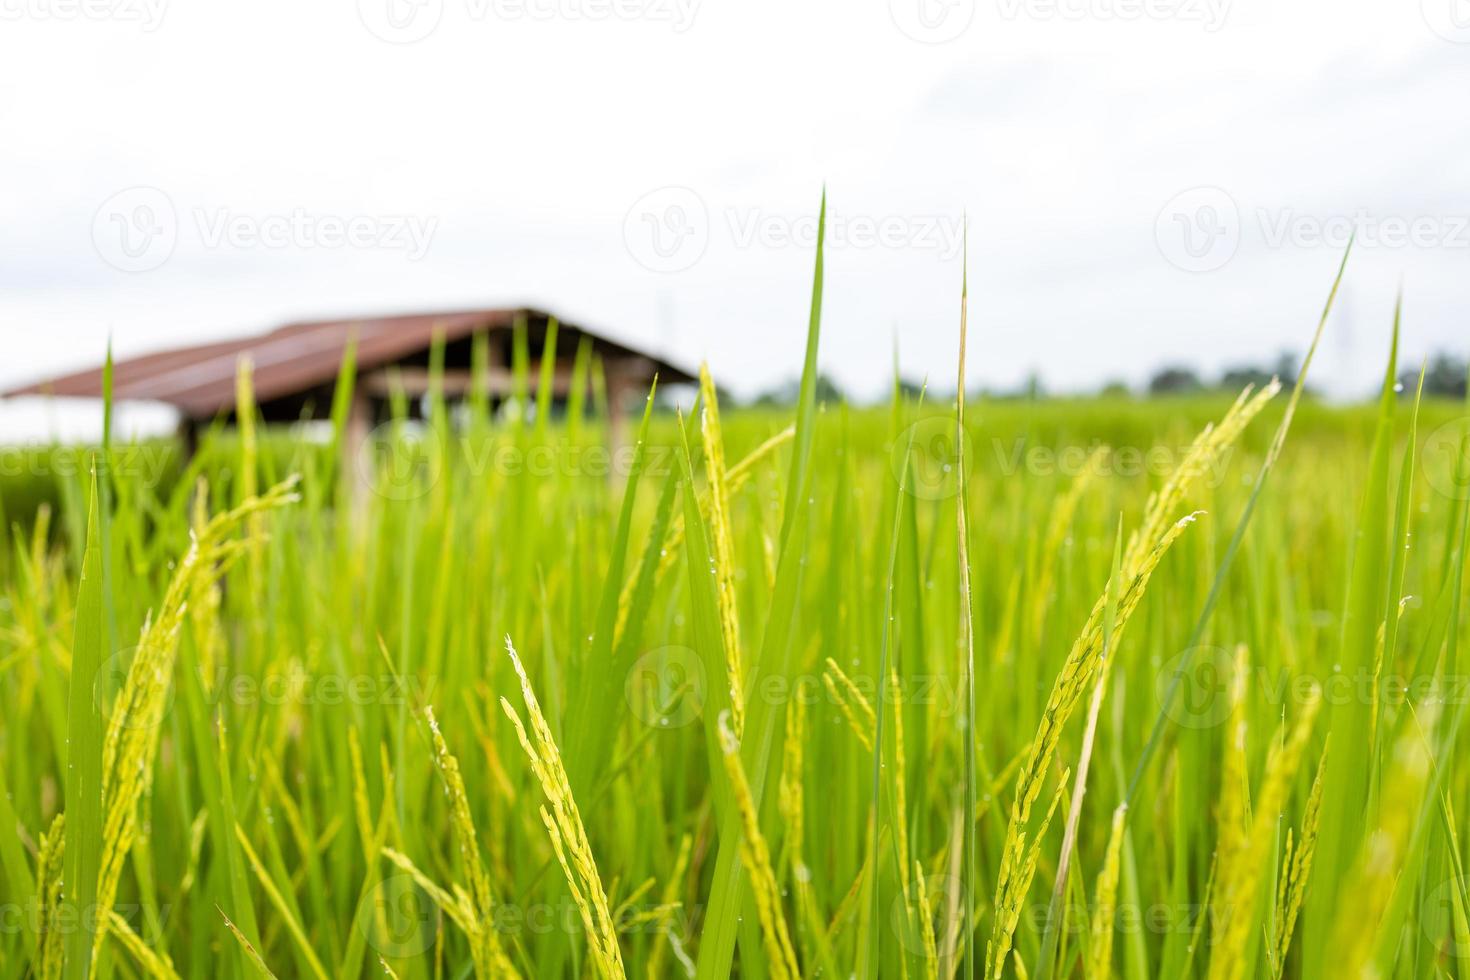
[(1444, 377), (1178, 380)]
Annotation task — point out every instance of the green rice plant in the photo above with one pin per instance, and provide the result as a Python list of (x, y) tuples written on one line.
[(84, 727), (1296, 862), (780, 955), (473, 910), (1100, 947), (564, 825), (914, 690), (1146, 547)]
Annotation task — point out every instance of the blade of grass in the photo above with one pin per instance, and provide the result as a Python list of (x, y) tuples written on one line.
[(84, 735), (1228, 559), (717, 943)]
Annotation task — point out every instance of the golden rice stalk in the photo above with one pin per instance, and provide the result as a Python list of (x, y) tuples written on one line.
[(768, 560), (1242, 866), (49, 864), (156, 965), (1370, 887), (723, 550), (900, 779), (791, 796), (1020, 859), (282, 907), (624, 908), (926, 925), (204, 608), (958, 920), (848, 905), (1206, 449), (670, 899), (780, 954), (1100, 950), (852, 702), (564, 825), (1146, 547), (1376, 703), (1078, 675), (479, 903), (251, 953), (791, 804), (1297, 870), (457, 907), (362, 810), (735, 478), (1233, 814), (133, 728), (196, 848)]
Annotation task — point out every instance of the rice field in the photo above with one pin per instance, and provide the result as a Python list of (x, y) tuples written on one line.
[(949, 688)]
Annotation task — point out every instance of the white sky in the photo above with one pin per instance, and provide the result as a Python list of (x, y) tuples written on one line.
[(524, 151)]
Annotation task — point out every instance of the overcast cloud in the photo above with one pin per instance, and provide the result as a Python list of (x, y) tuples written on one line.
[(1146, 181)]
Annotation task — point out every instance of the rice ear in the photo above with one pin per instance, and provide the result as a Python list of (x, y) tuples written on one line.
[(1100, 948), (564, 827), (780, 954), (1146, 547), (722, 543)]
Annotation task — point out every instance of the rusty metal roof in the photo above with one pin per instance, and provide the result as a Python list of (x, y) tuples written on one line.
[(200, 380)]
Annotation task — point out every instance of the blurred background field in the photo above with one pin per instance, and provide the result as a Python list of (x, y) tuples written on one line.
[(372, 598)]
